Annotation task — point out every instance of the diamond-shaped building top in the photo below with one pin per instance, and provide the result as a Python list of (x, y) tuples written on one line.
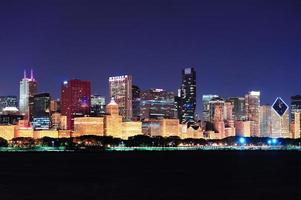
[(280, 106)]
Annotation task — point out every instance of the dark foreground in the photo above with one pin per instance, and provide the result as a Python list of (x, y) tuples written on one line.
[(151, 175)]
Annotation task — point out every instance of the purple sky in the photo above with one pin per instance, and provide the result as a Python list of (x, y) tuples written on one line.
[(235, 46)]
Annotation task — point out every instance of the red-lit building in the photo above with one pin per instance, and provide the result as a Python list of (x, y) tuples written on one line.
[(75, 100)]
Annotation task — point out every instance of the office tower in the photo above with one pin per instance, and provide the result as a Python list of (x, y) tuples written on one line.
[(55, 106), (265, 120), (113, 121), (239, 111), (75, 100), (157, 103), (206, 106), (98, 105), (136, 102), (295, 125), (295, 106), (120, 87), (217, 115), (252, 106), (280, 119), (28, 88), (243, 128), (41, 112), (89, 126), (188, 95), (8, 101)]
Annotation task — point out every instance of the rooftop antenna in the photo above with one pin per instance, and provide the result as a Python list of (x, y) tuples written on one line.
[(31, 74), (24, 73)]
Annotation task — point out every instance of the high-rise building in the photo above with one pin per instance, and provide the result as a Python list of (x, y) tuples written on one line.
[(188, 95), (239, 111), (265, 120), (98, 105), (295, 106), (206, 106), (41, 112), (28, 88), (120, 88), (157, 103), (295, 125), (136, 102), (75, 100), (280, 119), (252, 106), (217, 115), (8, 101), (113, 121)]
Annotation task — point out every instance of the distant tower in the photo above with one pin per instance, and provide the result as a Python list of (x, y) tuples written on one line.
[(28, 88), (188, 95), (280, 119), (120, 87), (75, 100), (252, 107)]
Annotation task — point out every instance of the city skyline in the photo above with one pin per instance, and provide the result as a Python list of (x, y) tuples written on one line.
[(234, 47)]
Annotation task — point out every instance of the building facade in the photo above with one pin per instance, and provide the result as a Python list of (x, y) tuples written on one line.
[(75, 100), (206, 106), (280, 119), (252, 106), (41, 112), (98, 105), (265, 121), (120, 87)]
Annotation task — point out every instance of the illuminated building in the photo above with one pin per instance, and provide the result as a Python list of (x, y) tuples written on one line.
[(98, 105), (28, 88), (63, 122), (7, 132), (64, 133), (8, 102), (265, 120), (75, 100), (24, 129), (295, 106), (243, 128), (56, 120), (295, 125), (89, 126), (113, 121), (206, 106), (45, 133), (239, 111), (195, 132), (41, 112), (252, 106), (216, 114), (130, 129), (55, 106), (10, 119), (120, 88), (157, 104), (161, 127), (188, 95), (280, 119), (136, 102)]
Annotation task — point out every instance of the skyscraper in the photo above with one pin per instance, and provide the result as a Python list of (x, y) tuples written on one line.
[(252, 106), (206, 106), (75, 100), (98, 105), (120, 87), (280, 119), (28, 88), (8, 101), (188, 95), (41, 111), (136, 102), (217, 108), (239, 111), (295, 106), (265, 121), (157, 104)]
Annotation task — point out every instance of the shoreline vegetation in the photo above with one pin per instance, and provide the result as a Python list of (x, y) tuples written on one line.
[(91, 143)]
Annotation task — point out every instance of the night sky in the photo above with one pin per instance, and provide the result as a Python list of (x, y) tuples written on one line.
[(235, 46)]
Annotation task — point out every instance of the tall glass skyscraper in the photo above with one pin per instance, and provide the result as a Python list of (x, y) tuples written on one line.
[(188, 95), (206, 106), (120, 88), (75, 100), (28, 88), (41, 111), (295, 106), (252, 104), (239, 110)]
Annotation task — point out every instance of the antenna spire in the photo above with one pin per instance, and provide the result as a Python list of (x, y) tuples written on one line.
[(31, 74), (24, 73)]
